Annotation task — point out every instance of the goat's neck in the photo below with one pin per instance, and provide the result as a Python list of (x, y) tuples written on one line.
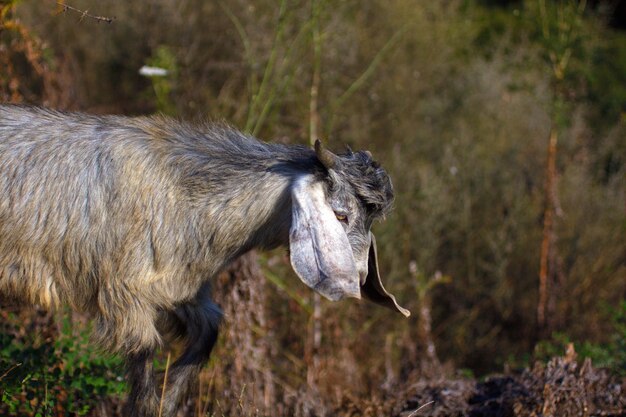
[(256, 214), (268, 212)]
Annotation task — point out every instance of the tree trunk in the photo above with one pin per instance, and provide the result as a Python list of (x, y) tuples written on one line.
[(548, 263)]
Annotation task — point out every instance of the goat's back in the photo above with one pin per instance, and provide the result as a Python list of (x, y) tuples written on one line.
[(84, 201)]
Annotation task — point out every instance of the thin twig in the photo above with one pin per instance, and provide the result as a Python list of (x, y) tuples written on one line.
[(269, 67), (314, 339), (245, 40), (9, 370), (414, 413), (167, 368), (274, 90), (314, 118), (358, 83), (85, 13)]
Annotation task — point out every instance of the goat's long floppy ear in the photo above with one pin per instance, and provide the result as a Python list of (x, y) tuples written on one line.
[(373, 288), (320, 252)]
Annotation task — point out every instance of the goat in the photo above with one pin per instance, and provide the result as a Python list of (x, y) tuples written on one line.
[(128, 219)]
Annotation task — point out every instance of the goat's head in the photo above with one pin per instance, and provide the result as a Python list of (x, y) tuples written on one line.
[(331, 246)]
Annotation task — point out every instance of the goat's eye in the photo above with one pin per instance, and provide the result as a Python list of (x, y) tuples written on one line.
[(341, 217)]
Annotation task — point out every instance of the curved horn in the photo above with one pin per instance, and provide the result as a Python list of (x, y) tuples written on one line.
[(326, 157)]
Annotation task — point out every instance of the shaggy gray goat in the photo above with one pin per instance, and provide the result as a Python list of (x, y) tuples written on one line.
[(128, 219)]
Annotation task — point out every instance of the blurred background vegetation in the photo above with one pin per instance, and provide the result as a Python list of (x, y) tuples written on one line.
[(501, 123)]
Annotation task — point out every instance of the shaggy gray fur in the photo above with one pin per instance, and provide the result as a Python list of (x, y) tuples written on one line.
[(128, 219)]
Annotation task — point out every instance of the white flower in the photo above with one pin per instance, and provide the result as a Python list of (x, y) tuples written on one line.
[(153, 71)]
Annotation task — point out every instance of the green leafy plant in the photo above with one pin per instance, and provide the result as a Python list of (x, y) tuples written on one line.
[(63, 373), (611, 355)]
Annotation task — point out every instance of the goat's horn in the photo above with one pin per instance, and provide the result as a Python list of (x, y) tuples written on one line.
[(326, 157)]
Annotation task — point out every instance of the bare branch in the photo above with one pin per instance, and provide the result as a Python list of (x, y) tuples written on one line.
[(9, 370), (85, 13)]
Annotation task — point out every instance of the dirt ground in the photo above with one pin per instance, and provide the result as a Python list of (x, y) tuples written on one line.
[(564, 387)]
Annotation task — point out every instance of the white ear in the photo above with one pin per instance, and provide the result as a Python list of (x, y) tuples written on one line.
[(320, 252)]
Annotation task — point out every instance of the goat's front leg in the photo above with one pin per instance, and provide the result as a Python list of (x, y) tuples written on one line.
[(143, 400), (201, 320)]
